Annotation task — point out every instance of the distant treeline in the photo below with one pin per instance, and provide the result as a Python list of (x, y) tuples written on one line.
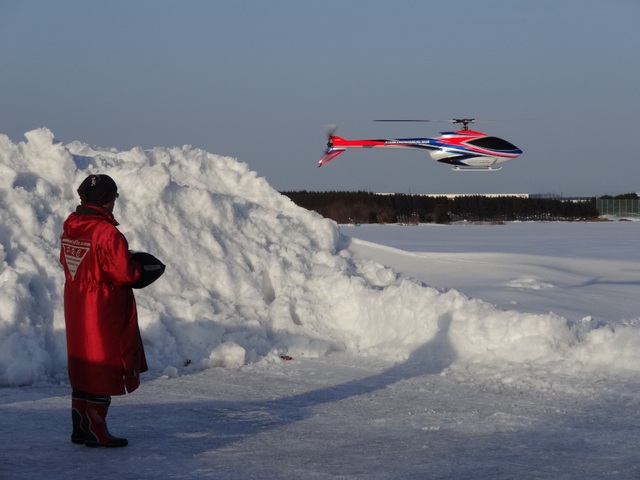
[(366, 207)]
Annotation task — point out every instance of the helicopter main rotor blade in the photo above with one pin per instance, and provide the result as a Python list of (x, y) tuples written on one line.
[(400, 120)]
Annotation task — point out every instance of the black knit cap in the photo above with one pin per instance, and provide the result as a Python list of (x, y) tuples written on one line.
[(97, 190)]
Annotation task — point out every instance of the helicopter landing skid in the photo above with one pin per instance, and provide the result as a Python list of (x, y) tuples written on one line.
[(475, 169)]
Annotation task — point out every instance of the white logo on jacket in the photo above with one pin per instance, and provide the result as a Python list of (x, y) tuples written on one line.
[(74, 253)]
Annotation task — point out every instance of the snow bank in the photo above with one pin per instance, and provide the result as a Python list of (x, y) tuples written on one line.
[(250, 276)]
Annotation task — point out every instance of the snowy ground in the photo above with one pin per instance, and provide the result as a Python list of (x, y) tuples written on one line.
[(464, 351)]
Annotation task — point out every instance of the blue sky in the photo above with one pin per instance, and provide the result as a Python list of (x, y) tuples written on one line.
[(259, 80)]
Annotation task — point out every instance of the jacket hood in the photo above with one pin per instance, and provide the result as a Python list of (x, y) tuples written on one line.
[(84, 218)]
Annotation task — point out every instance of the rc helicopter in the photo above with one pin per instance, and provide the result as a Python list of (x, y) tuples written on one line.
[(464, 149)]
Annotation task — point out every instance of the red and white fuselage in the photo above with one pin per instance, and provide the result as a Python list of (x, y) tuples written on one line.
[(462, 149)]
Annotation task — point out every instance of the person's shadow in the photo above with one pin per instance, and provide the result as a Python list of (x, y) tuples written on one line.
[(429, 359)]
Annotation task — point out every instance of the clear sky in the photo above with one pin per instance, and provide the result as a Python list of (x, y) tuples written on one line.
[(259, 80)]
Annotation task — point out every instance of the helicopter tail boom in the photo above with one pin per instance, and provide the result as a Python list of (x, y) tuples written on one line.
[(337, 145)]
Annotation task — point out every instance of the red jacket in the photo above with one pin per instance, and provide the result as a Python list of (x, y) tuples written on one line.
[(104, 347)]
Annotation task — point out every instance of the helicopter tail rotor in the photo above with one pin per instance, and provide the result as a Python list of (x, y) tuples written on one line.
[(330, 153), (330, 131)]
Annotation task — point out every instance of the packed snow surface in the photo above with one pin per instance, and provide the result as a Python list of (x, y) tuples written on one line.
[(463, 351)]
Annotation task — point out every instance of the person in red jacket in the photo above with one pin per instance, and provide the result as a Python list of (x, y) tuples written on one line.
[(104, 347)]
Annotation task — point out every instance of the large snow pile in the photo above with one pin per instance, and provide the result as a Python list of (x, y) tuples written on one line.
[(250, 276)]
